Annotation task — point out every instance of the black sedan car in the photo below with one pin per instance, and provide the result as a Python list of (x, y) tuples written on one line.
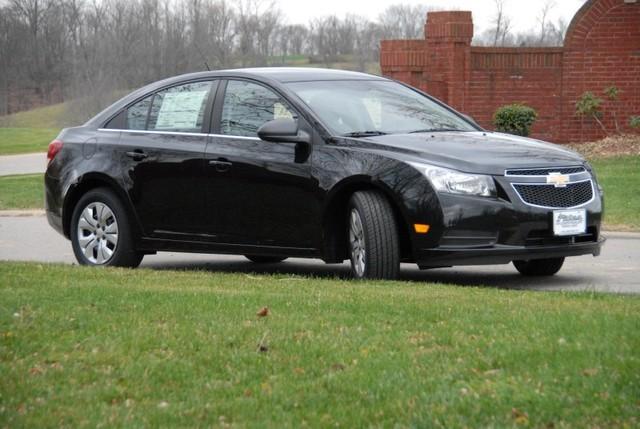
[(278, 162)]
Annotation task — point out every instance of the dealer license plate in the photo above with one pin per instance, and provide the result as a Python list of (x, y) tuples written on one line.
[(569, 222)]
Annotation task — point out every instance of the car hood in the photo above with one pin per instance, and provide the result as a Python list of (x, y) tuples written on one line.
[(475, 152)]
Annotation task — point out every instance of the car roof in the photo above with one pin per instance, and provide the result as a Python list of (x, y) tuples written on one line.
[(301, 74)]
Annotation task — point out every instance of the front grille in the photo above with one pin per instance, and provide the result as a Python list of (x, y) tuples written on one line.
[(545, 171), (574, 194)]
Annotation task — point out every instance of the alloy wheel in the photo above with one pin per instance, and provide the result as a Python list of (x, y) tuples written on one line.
[(97, 233)]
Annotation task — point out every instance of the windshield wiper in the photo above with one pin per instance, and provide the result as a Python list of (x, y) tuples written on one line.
[(433, 130), (365, 134)]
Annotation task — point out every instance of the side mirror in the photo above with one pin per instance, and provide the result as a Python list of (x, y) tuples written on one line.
[(283, 131)]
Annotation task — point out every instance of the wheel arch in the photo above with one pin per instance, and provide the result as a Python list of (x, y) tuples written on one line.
[(86, 183), (334, 219)]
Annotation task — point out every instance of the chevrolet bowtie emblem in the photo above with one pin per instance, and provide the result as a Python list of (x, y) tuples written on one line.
[(558, 180)]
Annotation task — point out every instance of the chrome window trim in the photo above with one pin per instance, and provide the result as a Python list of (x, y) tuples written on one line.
[(593, 194), (543, 168), (229, 136), (179, 133)]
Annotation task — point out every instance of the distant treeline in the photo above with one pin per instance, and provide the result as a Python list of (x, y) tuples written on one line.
[(51, 50)]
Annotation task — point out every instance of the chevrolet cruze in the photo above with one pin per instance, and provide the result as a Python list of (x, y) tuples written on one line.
[(276, 162)]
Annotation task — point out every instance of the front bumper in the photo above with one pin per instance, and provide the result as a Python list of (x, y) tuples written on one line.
[(484, 231), (502, 254)]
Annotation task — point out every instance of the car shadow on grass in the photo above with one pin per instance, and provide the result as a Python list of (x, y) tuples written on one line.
[(498, 277)]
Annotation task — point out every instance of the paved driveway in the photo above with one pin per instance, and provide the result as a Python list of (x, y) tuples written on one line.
[(29, 238), (23, 164)]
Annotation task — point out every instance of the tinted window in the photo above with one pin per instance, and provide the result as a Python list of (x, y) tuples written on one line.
[(137, 114), (180, 108), (248, 105)]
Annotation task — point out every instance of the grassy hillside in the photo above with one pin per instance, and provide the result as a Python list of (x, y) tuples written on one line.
[(53, 116), (111, 347), (25, 140)]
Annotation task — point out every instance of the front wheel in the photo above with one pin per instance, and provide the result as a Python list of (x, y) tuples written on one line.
[(539, 267), (373, 237), (101, 233)]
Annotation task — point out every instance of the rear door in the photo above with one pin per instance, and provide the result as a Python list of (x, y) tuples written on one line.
[(257, 193), (162, 149)]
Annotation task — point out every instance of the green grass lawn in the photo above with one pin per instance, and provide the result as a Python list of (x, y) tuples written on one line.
[(113, 347), (21, 192), (620, 178), (25, 140)]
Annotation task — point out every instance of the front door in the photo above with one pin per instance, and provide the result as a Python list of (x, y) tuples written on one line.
[(257, 194)]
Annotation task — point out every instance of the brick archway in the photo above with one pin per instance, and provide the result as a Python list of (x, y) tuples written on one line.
[(602, 48)]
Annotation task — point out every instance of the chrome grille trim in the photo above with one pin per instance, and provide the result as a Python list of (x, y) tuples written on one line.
[(543, 171)]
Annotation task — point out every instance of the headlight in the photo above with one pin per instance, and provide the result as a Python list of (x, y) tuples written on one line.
[(456, 182)]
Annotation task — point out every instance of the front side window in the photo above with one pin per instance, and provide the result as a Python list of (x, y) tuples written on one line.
[(180, 108), (247, 106), (352, 107)]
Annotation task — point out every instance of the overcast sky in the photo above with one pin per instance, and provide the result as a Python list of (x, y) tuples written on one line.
[(523, 13)]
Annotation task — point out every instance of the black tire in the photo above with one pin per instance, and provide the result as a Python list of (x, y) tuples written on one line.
[(123, 251), (265, 259), (539, 267), (381, 257)]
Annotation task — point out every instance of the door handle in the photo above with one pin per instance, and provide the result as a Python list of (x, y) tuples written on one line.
[(137, 155), (221, 164)]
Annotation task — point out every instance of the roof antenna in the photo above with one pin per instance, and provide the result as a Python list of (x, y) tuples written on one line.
[(207, 66)]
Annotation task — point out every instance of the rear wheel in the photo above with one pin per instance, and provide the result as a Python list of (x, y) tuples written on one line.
[(373, 237), (265, 259), (539, 267), (101, 232)]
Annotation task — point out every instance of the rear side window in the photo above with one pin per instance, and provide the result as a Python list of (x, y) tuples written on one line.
[(180, 108), (137, 114), (247, 106)]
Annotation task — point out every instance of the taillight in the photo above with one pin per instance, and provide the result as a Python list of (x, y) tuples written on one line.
[(54, 147)]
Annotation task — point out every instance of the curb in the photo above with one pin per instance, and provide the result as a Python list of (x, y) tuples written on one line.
[(622, 234), (22, 213)]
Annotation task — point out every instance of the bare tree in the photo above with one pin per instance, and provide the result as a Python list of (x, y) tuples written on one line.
[(502, 24), (403, 21), (543, 20)]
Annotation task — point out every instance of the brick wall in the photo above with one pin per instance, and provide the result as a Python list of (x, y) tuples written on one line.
[(602, 48)]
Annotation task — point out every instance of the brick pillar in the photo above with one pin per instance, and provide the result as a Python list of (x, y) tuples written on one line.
[(448, 69)]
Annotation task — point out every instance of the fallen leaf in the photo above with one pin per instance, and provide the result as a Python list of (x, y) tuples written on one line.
[(264, 312), (519, 417), (248, 393), (298, 370), (590, 372), (337, 367)]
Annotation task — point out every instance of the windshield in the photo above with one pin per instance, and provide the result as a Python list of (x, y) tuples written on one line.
[(370, 107)]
